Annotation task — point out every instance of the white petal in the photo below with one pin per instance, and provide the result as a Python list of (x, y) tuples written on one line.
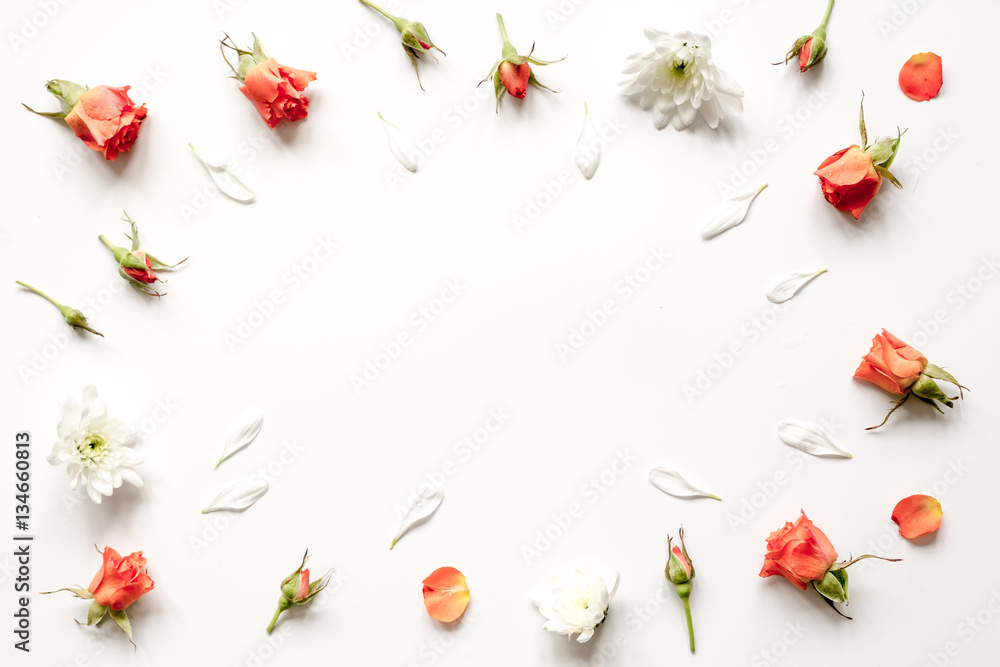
[(131, 476), (730, 213), (587, 154), (242, 433), (400, 145), (670, 481), (226, 179), (239, 496), (786, 287), (420, 510), (809, 438)]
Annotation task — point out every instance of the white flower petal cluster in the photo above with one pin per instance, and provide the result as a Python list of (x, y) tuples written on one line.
[(579, 604), (96, 450), (678, 81)]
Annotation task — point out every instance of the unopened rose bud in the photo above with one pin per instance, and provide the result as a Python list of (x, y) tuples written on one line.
[(680, 572), (413, 34), (137, 266), (810, 49), (73, 317), (296, 589), (513, 71)]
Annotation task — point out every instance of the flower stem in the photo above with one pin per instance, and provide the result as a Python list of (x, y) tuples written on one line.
[(274, 619), (503, 30), (111, 246), (826, 17), (378, 9), (687, 613), (398, 22), (40, 293)]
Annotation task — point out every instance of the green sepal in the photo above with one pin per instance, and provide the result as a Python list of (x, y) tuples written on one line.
[(67, 92), (121, 618), (795, 50), (81, 593), (536, 61), (884, 151), (96, 613), (498, 89), (77, 320), (533, 81), (938, 373), (887, 175), (926, 388), (833, 586), (861, 124), (258, 51)]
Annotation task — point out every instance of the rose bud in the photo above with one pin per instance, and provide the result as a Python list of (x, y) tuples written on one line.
[(115, 587), (296, 589), (137, 266), (275, 90), (413, 34), (680, 572), (104, 117), (810, 49), (513, 72), (803, 554), (73, 317), (850, 178), (901, 370)]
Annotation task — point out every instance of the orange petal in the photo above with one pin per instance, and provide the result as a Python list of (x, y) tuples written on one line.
[(917, 515), (921, 76), (445, 594)]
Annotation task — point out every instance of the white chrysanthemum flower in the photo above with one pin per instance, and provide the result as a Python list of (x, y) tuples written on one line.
[(678, 81), (95, 449), (579, 604)]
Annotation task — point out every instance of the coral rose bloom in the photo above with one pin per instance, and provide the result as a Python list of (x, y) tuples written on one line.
[(849, 180), (107, 120), (120, 581), (276, 91), (799, 552), (891, 364)]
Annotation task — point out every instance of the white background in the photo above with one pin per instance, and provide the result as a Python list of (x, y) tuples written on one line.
[(342, 461)]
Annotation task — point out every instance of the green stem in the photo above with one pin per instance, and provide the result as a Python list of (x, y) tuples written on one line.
[(826, 17), (274, 619), (41, 294), (687, 613), (111, 246), (398, 22), (503, 30)]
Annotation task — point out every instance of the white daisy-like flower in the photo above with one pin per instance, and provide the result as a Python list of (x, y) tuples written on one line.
[(96, 450), (678, 81), (579, 604)]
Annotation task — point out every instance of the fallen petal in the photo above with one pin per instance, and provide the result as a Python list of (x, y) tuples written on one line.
[(587, 153), (446, 594), (400, 145), (239, 496), (226, 179), (917, 515), (242, 433), (921, 76), (809, 438), (729, 214), (420, 510), (670, 482), (786, 286)]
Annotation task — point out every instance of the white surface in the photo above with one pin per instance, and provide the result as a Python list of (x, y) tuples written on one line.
[(620, 398)]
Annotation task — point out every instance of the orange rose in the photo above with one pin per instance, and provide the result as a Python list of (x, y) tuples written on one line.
[(107, 120), (276, 91), (891, 364), (849, 180), (799, 552), (120, 581)]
